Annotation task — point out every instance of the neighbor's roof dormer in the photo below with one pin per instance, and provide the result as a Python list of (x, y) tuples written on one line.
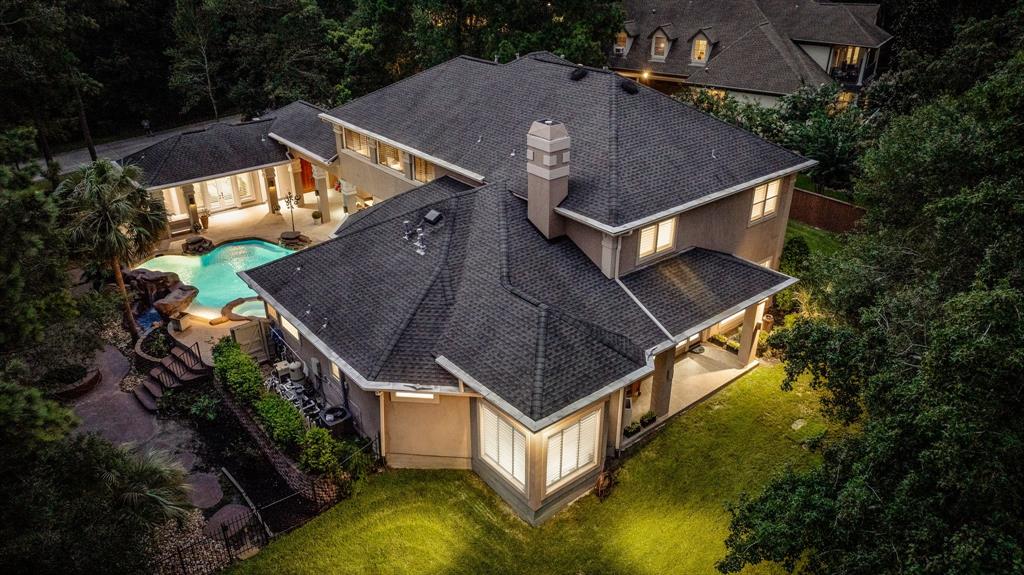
[(661, 41), (701, 44)]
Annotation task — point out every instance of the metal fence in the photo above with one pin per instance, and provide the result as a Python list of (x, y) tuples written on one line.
[(243, 537)]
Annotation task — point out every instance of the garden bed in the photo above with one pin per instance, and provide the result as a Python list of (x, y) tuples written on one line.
[(71, 381)]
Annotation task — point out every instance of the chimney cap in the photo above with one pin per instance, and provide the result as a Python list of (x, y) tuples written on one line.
[(549, 129)]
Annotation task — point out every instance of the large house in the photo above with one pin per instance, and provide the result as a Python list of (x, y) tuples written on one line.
[(547, 246), (754, 50)]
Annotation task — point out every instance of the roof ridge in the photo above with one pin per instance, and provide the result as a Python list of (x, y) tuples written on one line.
[(613, 148), (160, 166), (343, 232), (856, 20), (375, 369), (539, 363)]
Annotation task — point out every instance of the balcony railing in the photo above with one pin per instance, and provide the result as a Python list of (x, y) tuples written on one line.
[(846, 73)]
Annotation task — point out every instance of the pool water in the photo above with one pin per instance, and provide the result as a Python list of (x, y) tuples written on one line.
[(251, 308), (215, 273)]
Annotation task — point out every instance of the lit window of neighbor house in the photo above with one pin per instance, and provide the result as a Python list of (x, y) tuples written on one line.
[(503, 446), (657, 238), (659, 47), (335, 371), (620, 43), (572, 449), (390, 156), (766, 201), (357, 142), (700, 49), (422, 170)]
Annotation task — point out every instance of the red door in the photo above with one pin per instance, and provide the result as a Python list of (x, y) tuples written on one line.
[(308, 185)]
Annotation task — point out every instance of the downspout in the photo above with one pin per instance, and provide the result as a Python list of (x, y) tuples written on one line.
[(383, 429)]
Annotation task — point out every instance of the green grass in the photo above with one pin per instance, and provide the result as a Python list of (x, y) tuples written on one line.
[(666, 515), (819, 241)]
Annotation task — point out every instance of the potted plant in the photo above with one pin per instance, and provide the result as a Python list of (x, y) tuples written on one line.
[(631, 429), (317, 216), (648, 418), (204, 217)]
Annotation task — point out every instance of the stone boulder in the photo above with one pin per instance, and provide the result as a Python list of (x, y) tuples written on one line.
[(196, 245), (177, 300), (152, 285)]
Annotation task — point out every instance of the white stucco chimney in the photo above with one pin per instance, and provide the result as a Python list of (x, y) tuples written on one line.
[(547, 167)]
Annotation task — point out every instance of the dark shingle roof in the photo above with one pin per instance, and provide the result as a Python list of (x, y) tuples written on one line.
[(299, 124), (532, 321), (230, 148), (693, 287), (219, 149), (754, 42), (633, 154)]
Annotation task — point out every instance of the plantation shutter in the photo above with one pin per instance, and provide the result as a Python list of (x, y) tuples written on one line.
[(648, 236), (554, 458), (666, 231), (518, 456), (489, 433), (503, 445), (588, 440), (573, 448)]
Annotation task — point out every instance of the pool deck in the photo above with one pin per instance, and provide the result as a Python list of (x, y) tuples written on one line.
[(257, 222)]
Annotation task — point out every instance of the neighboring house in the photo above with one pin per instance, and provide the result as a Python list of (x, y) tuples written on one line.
[(228, 166), (754, 50), (555, 241)]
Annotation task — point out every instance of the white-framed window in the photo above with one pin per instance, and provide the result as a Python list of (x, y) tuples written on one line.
[(289, 328), (422, 170), (659, 46), (503, 446), (357, 142), (620, 42), (766, 201), (657, 238), (573, 449), (272, 313), (335, 371), (246, 192), (415, 397), (700, 49), (389, 156)]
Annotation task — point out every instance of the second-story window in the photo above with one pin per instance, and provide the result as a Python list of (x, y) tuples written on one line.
[(766, 201), (422, 170), (357, 142), (660, 47), (657, 238), (700, 49), (389, 156), (620, 43)]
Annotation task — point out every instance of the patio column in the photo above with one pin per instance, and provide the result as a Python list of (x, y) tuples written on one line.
[(323, 200), (190, 202), (348, 196), (296, 170), (271, 179), (751, 329), (661, 384)]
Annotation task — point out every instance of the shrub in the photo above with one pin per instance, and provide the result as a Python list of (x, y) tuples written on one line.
[(357, 458), (237, 371), (795, 256), (321, 453), (204, 406), (281, 419), (648, 418), (632, 429)]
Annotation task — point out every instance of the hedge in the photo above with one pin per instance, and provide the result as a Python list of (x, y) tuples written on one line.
[(281, 419)]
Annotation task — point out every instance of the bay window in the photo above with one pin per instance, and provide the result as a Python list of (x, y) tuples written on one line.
[(573, 449), (657, 238), (503, 446), (766, 201)]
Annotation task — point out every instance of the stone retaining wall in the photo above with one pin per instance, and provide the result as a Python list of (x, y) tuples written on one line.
[(316, 489)]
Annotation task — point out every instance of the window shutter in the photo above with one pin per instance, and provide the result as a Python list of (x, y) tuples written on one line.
[(554, 458), (648, 236), (588, 439), (570, 448), (489, 431), (518, 456)]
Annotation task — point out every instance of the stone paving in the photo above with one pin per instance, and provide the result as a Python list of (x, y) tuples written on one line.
[(118, 417)]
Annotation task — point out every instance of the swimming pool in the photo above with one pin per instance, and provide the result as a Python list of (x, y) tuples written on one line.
[(215, 273)]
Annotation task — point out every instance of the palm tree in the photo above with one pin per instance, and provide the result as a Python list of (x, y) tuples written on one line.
[(111, 217), (149, 486)]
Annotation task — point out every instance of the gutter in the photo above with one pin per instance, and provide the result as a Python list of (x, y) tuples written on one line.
[(299, 148), (433, 159), (629, 226), (214, 176)]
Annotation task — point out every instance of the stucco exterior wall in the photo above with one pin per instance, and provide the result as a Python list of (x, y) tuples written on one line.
[(428, 435), (589, 240), (765, 100), (820, 54), (724, 225)]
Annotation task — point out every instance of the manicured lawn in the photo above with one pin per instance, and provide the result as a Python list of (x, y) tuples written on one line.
[(819, 241), (666, 515)]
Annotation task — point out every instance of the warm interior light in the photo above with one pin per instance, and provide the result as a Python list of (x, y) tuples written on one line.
[(646, 74), (413, 395)]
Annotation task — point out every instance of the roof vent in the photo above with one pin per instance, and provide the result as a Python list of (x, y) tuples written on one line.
[(433, 217), (578, 74), (628, 86)]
